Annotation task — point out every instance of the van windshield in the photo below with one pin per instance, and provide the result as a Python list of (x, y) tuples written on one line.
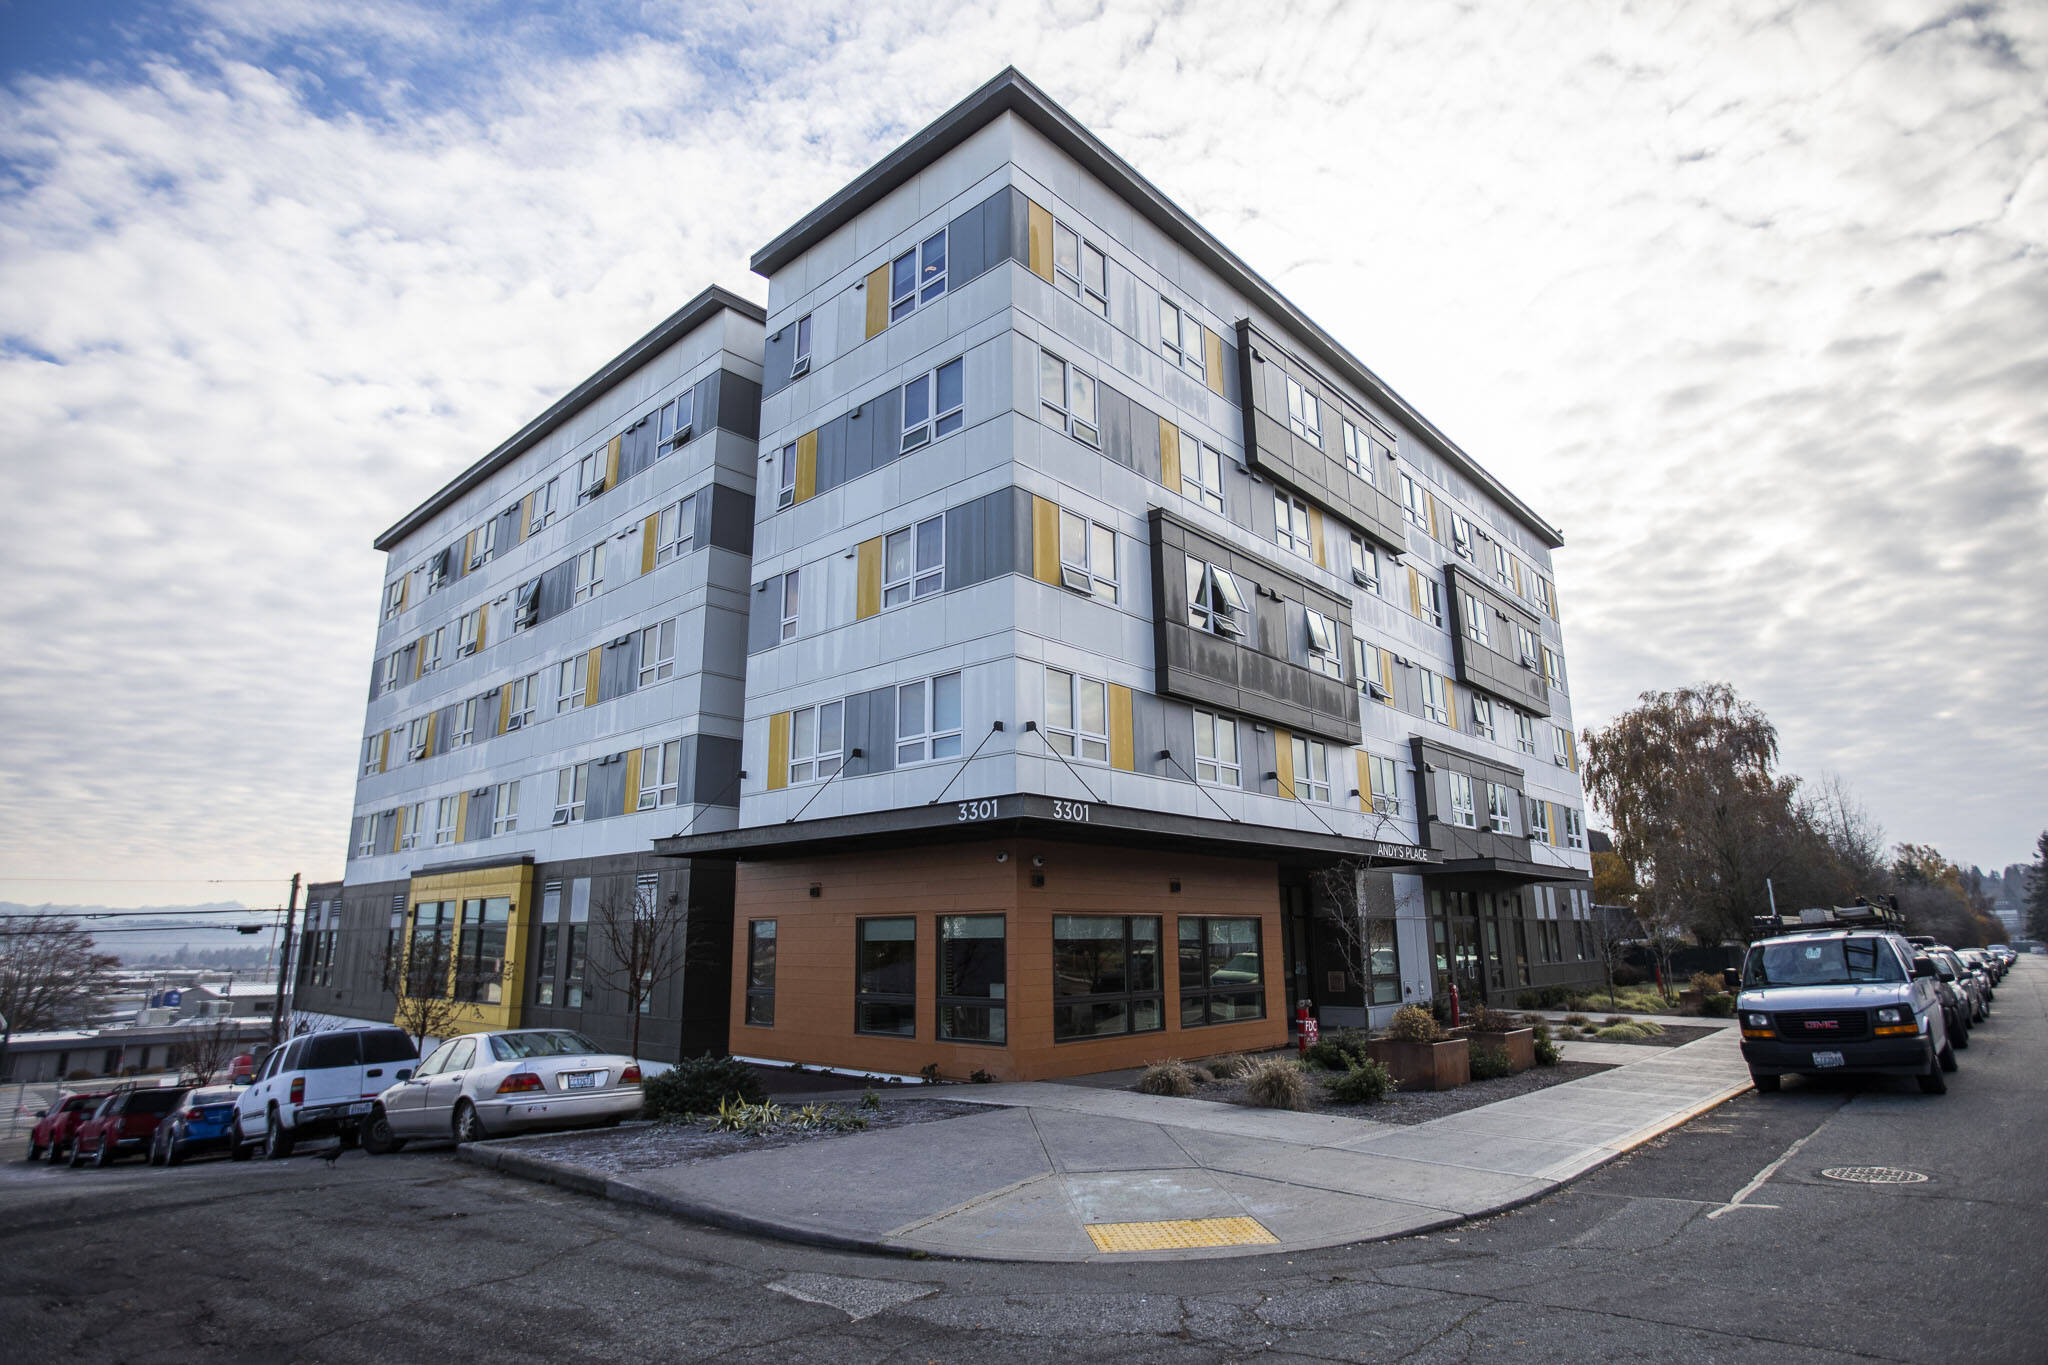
[(1822, 962)]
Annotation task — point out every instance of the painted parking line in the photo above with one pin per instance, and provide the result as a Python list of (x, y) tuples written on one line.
[(1756, 1181)]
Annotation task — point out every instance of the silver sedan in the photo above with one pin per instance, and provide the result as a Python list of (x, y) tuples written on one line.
[(509, 1081)]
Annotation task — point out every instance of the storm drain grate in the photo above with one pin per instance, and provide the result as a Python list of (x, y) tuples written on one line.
[(1873, 1175)]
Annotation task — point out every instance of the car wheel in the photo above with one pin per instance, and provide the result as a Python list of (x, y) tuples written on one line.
[(1933, 1081), (1947, 1057), (60, 1150), (1767, 1085), (35, 1153), (1959, 1036), (174, 1153), (76, 1158), (104, 1157), (378, 1139), (277, 1144), (468, 1127), (156, 1152), (238, 1146)]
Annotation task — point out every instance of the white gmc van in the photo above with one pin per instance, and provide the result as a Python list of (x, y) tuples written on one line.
[(317, 1085)]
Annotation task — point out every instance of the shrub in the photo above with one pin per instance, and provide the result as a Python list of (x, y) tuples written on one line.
[(1277, 1084), (1485, 1019), (1614, 1019), (1202, 1075), (1718, 1005), (1546, 1051), (1229, 1066), (1170, 1077), (1414, 1024), (1490, 1063), (1577, 1020), (869, 1099), (1340, 1050), (738, 1116), (1707, 983), (1625, 975), (1545, 998), (980, 1077), (699, 1085), (1529, 1000), (929, 1072), (1582, 1002), (1650, 1028), (1622, 1033), (1366, 1083)]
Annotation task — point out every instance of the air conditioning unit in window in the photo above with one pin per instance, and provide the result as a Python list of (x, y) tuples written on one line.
[(801, 368)]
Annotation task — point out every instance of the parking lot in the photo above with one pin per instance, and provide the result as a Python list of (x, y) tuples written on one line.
[(1723, 1240)]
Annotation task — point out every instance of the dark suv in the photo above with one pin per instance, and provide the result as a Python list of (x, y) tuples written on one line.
[(1850, 1000)]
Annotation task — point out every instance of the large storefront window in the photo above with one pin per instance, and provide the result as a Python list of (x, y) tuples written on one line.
[(1222, 976), (426, 965), (761, 972), (972, 979), (1382, 962), (1105, 972), (480, 977), (885, 976)]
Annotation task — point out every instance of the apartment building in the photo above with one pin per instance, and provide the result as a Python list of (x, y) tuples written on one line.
[(557, 684), (1101, 604)]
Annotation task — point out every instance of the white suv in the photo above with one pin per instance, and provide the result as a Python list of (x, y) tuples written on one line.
[(319, 1084)]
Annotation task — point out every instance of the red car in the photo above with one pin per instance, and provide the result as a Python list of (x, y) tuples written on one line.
[(124, 1122), (55, 1127)]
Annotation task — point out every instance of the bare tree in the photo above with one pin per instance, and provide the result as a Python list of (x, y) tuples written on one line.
[(1609, 929), (49, 974), (1351, 902), (643, 937), (433, 996), (206, 1047), (1663, 934)]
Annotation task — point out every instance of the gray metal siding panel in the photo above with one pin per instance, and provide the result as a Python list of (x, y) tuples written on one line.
[(618, 670), (606, 794), (725, 518), (764, 617), (508, 528), (966, 251), (557, 590), (739, 405), (716, 771), (832, 453), (1116, 427), (1020, 531), (779, 356), (862, 424), (1009, 228), (483, 808)]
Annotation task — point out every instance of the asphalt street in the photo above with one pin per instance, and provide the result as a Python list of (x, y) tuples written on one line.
[(1721, 1241)]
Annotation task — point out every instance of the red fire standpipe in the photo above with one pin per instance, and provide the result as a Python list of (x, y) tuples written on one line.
[(1305, 1030), (1454, 1005)]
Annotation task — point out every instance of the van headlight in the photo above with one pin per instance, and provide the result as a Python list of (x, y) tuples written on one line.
[(1893, 1020), (1756, 1025)]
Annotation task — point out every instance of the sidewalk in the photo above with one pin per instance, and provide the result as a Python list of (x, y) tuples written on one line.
[(1057, 1172)]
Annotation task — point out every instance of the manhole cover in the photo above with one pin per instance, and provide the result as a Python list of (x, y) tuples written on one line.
[(1873, 1175)]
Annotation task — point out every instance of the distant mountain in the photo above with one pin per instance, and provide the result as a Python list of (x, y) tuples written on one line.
[(162, 935)]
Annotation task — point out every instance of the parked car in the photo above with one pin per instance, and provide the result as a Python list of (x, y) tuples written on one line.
[(514, 1080), (200, 1123), (242, 1070), (56, 1127), (1957, 1003), (1974, 961), (1967, 982), (125, 1122), (318, 1085), (1843, 1000)]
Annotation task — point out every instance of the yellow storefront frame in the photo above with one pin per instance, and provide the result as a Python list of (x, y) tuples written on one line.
[(515, 884)]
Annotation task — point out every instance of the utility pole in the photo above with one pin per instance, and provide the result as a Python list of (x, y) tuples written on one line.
[(284, 964)]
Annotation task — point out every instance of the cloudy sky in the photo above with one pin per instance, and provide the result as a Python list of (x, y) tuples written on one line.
[(1750, 298)]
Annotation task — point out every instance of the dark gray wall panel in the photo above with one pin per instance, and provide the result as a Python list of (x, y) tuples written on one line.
[(725, 518), (607, 790), (557, 590), (832, 453), (508, 528), (618, 669), (483, 808), (764, 617), (716, 771), (981, 538), (967, 252), (1009, 228), (871, 728), (1496, 667), (780, 355), (738, 406)]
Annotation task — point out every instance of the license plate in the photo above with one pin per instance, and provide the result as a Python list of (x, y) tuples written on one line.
[(1827, 1059), (581, 1080), (362, 1107)]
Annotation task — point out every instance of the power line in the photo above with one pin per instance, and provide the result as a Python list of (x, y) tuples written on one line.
[(152, 914), (150, 881), (144, 929)]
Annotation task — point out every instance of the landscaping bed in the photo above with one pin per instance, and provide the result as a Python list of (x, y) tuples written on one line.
[(644, 1145), (1399, 1106), (1672, 1035)]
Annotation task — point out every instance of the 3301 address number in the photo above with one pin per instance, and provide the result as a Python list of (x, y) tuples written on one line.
[(977, 810), (1070, 810)]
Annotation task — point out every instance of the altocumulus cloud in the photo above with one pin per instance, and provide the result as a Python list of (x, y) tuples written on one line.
[(1749, 300)]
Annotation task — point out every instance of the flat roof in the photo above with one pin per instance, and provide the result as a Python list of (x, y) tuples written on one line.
[(1010, 92), (684, 320)]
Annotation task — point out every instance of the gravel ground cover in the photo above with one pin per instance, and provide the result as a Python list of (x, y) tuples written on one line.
[(644, 1146), (1674, 1035), (1411, 1106)]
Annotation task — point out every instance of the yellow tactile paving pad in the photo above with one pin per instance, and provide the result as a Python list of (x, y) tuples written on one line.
[(1181, 1232)]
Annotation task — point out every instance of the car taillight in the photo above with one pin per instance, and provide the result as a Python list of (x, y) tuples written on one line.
[(519, 1083), (630, 1076), (298, 1090), (193, 1116)]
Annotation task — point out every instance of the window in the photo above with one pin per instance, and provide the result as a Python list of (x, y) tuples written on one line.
[(1464, 809), (1180, 337), (1304, 413), (469, 631), (1385, 776), (1414, 504), (933, 405), (1499, 809), (1553, 668), (658, 653), (546, 502), (1325, 653), (590, 472), (1574, 829), (1077, 715), (394, 597), (1562, 751), (1365, 564), (572, 784), (1542, 591), (485, 544), (1525, 732), (430, 649), (1474, 612), (660, 765), (373, 753), (1311, 770), (526, 606), (801, 363), (549, 958), (1382, 962), (366, 836), (918, 276), (1215, 602), (590, 572), (1430, 595), (675, 529), (480, 971), (1362, 453), (1080, 269), (761, 970), (523, 705), (1290, 525), (1525, 647), (1222, 976), (973, 979), (1105, 976), (928, 719), (1539, 821), (672, 425), (885, 976), (433, 933), (1087, 556), (1201, 473), (816, 734), (436, 570), (579, 960), (1370, 681), (790, 602), (1434, 706), (786, 492), (1066, 398), (1482, 717), (1216, 750), (572, 683), (505, 809), (914, 562), (1461, 537), (389, 679), (412, 829), (465, 724), (418, 733)]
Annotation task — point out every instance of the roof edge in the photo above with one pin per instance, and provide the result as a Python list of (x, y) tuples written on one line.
[(692, 315), (1010, 91)]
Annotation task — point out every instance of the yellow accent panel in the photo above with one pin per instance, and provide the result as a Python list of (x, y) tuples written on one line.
[(1387, 673), (419, 657), (1430, 498), (404, 590), (631, 802), (867, 592), (1283, 760), (1571, 750), (461, 817), (806, 466), (1550, 824), (1553, 601), (878, 299), (611, 461), (398, 829), (483, 626), (1365, 792), (526, 516), (1414, 592), (1212, 361), (1451, 703), (1181, 1232), (515, 884), (1040, 220), (1121, 729), (384, 752), (649, 529), (590, 676), (778, 751), (504, 708), (468, 552), (1169, 455), (433, 724), (1045, 540), (1315, 537)]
